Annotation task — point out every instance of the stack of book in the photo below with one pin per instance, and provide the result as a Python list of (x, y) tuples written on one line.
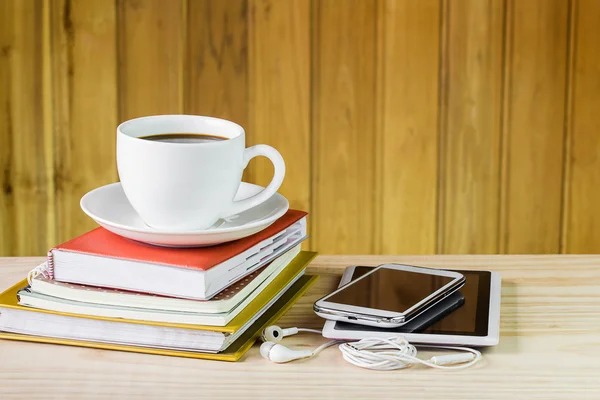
[(102, 290)]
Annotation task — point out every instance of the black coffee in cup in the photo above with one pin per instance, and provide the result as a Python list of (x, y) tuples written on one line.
[(183, 138)]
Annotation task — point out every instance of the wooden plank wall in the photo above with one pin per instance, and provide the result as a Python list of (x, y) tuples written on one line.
[(408, 126)]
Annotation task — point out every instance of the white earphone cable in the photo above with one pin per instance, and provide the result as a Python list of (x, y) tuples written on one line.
[(309, 330), (397, 353), (324, 346), (382, 354)]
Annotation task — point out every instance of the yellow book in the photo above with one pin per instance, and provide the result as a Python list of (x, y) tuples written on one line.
[(237, 336), (233, 353)]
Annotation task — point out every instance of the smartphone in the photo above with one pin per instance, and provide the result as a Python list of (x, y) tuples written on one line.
[(418, 324), (389, 296)]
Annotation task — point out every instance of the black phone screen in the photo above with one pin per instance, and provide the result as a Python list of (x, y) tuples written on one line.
[(390, 290)]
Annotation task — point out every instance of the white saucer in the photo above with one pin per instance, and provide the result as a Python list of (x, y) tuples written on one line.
[(109, 207)]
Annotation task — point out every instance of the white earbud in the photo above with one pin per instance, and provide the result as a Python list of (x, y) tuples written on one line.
[(280, 354), (276, 334), (275, 352)]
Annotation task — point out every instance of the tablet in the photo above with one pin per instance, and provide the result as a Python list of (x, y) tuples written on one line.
[(475, 323)]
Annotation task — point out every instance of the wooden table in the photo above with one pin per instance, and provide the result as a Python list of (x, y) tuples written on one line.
[(549, 348)]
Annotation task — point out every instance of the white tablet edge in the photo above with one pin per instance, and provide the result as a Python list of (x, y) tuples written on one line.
[(491, 339)]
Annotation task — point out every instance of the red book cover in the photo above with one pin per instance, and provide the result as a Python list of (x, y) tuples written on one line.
[(100, 242)]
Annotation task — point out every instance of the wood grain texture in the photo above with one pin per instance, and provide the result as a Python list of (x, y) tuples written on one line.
[(582, 217), (343, 109), (151, 54), (279, 93), (7, 227), (470, 133), (85, 105), (409, 137), (535, 125), (27, 186), (547, 302), (407, 126), (217, 64)]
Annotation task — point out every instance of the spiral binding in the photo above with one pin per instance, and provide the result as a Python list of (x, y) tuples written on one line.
[(39, 270), (50, 266)]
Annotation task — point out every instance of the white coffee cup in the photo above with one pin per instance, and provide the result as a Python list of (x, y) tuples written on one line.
[(188, 186)]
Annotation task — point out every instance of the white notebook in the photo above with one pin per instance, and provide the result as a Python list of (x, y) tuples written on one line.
[(223, 302), (219, 311)]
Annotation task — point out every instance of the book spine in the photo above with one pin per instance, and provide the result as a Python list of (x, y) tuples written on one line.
[(50, 268)]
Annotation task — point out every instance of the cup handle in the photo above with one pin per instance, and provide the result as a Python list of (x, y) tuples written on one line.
[(266, 193)]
